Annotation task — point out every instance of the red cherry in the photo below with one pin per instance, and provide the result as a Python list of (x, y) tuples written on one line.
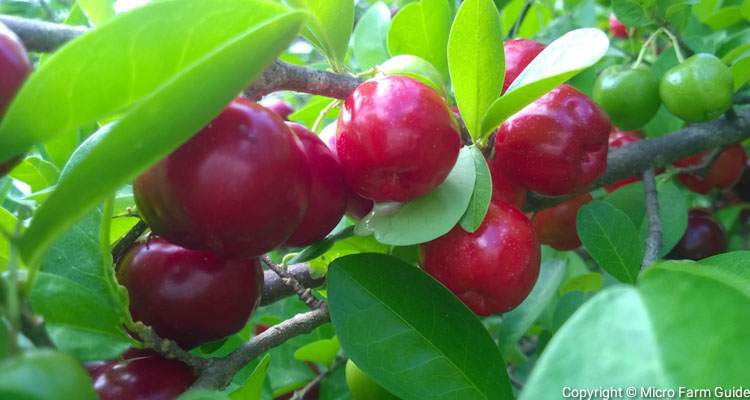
[(280, 107), (189, 296), (239, 187), (703, 238), (328, 192), (617, 28), (518, 54), (396, 139), (14, 66), (491, 270), (556, 226), (723, 173), (618, 139), (556, 145), (96, 368), (505, 189), (144, 378)]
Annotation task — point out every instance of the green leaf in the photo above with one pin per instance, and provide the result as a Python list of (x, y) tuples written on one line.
[(199, 394), (735, 262), (631, 13), (427, 217), (97, 11), (741, 70), (36, 172), (188, 75), (422, 29), (417, 68), (611, 238), (253, 386), (8, 223), (370, 35), (78, 296), (482, 194), (43, 375), (328, 26), (673, 213), (412, 350), (476, 60), (558, 62), (321, 351)]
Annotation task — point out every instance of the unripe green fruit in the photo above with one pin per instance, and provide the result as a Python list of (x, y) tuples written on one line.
[(363, 387), (630, 96), (43, 375), (700, 89)]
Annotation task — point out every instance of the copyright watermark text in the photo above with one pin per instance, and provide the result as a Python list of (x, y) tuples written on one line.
[(637, 392)]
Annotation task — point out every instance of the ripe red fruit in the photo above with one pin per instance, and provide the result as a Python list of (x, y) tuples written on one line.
[(96, 368), (518, 54), (703, 238), (505, 189), (144, 378), (618, 29), (723, 173), (328, 192), (396, 139), (618, 139), (491, 270), (280, 107), (556, 226), (239, 187), (189, 296), (556, 145), (14, 66)]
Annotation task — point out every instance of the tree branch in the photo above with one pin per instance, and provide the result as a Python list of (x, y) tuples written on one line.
[(220, 371), (32, 327), (304, 293), (283, 76), (300, 394), (124, 244), (168, 348), (39, 35), (653, 242), (274, 289)]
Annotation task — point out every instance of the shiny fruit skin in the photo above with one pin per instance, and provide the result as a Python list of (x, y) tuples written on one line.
[(189, 296), (742, 188), (556, 226), (724, 173), (328, 192), (630, 96), (362, 387), (396, 139), (699, 89), (280, 107), (144, 378), (618, 29), (704, 237), (618, 139), (556, 145), (15, 66), (518, 54), (239, 187), (491, 270), (504, 188)]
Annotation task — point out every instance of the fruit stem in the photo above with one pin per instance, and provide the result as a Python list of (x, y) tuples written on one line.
[(645, 46), (318, 121), (675, 44)]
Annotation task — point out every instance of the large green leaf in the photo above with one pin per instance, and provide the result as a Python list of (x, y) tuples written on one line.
[(685, 326), (422, 29), (252, 388), (476, 61), (97, 11), (78, 296), (370, 35), (482, 194), (36, 172), (559, 61), (328, 26), (425, 343), (166, 90), (42, 375), (612, 239), (8, 223), (427, 217)]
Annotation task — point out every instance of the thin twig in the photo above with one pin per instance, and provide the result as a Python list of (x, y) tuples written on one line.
[(168, 348), (274, 289), (32, 327), (305, 294), (705, 166), (653, 242), (122, 246), (300, 394)]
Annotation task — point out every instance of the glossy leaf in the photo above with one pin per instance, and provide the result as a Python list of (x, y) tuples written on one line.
[(661, 343), (188, 75), (322, 351), (476, 61), (412, 350), (422, 29), (558, 62), (43, 375), (370, 36), (427, 217), (482, 194), (253, 386), (36, 172), (8, 223), (612, 240), (328, 26)]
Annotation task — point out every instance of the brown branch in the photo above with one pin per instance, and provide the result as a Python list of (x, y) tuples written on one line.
[(124, 244), (274, 289), (32, 327), (39, 35), (653, 242), (220, 371), (304, 293), (168, 348), (283, 76)]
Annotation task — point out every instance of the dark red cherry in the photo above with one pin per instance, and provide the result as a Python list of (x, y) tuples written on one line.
[(328, 191), (556, 145), (14, 66), (618, 139), (618, 29), (396, 139), (189, 296), (703, 238), (280, 107), (239, 187), (504, 188), (144, 378), (724, 173), (556, 226), (491, 270), (518, 54), (96, 368)]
